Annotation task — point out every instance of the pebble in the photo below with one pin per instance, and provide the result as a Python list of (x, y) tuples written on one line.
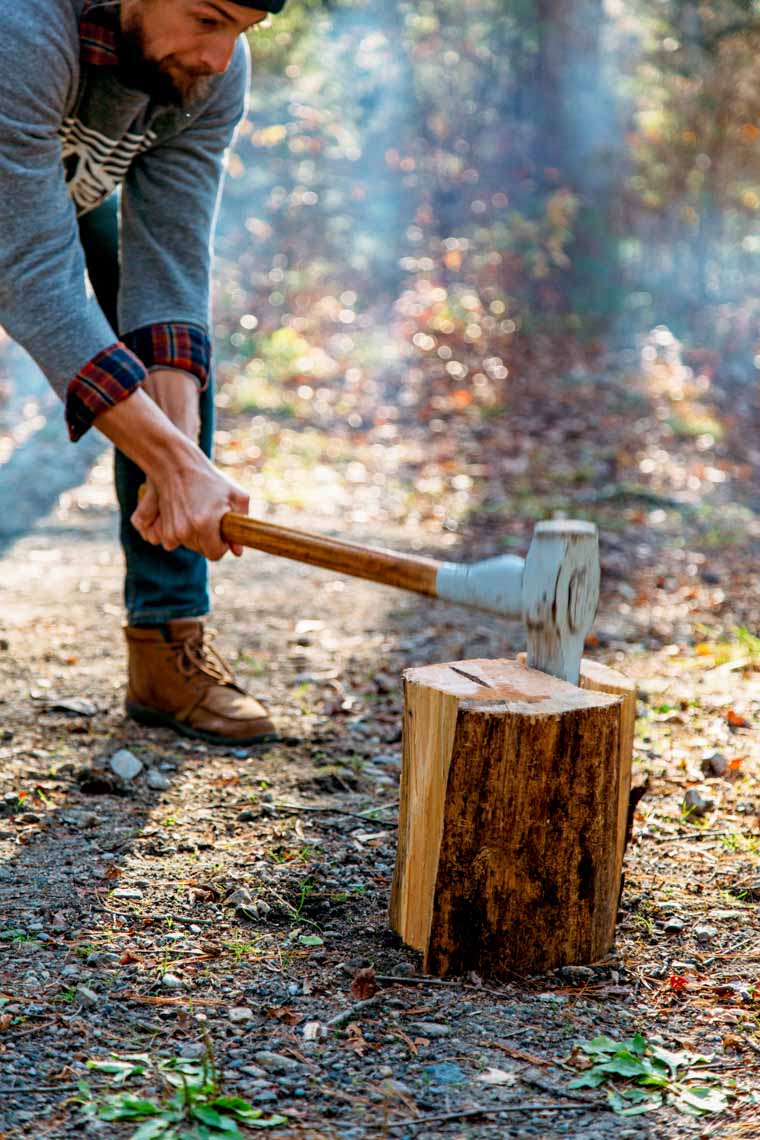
[(127, 893), (276, 1062), (240, 897), (694, 803), (156, 780), (704, 934), (445, 1073), (715, 765), (431, 1028), (240, 1014), (577, 973), (125, 764), (674, 925), (172, 982), (86, 995)]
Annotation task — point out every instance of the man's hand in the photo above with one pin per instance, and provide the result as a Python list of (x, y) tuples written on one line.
[(186, 496)]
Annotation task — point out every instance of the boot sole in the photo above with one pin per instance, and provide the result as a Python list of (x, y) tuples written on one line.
[(154, 718)]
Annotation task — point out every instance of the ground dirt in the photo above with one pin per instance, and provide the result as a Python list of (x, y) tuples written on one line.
[(142, 920)]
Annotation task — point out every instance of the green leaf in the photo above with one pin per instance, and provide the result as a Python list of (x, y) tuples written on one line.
[(624, 1064), (152, 1129), (658, 1080), (208, 1115), (269, 1122), (120, 1068), (126, 1107), (311, 940), (697, 1100), (632, 1102), (236, 1105), (588, 1080), (635, 1044), (599, 1045)]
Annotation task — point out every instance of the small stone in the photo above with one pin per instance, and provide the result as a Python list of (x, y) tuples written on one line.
[(240, 1014), (253, 1071), (705, 934), (86, 996), (172, 982), (192, 1049), (674, 925), (240, 897), (695, 804), (276, 1062), (125, 764), (714, 766), (577, 974), (71, 971), (156, 780), (431, 1029), (127, 893), (29, 817), (445, 1073)]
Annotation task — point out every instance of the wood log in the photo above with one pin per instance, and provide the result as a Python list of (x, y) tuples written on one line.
[(600, 678), (509, 830)]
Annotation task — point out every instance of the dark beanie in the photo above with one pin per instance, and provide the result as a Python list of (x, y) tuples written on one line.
[(263, 5)]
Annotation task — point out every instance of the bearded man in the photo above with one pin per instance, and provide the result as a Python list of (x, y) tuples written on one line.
[(115, 116)]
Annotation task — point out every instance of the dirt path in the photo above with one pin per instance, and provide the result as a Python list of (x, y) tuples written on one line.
[(157, 921)]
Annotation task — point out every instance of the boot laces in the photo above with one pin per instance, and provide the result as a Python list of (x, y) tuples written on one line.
[(197, 654)]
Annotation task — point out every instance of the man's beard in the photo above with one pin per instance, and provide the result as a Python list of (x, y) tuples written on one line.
[(175, 86)]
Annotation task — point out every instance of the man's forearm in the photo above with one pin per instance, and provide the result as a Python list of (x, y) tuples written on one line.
[(187, 497), (139, 429)]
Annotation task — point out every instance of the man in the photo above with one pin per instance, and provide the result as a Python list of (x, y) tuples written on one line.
[(142, 96)]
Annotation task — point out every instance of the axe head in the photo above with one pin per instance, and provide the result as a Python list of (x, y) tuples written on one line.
[(560, 595)]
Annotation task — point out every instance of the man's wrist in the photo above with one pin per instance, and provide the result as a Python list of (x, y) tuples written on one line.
[(147, 436)]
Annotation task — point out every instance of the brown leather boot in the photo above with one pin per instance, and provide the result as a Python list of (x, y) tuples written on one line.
[(177, 679)]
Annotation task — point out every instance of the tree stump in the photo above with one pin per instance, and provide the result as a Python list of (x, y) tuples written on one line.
[(510, 837)]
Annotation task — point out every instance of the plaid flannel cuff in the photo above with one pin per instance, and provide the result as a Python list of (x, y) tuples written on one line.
[(176, 345), (109, 377)]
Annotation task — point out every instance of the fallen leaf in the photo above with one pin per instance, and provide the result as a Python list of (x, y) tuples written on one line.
[(356, 1038), (285, 1014), (364, 985), (736, 720), (497, 1077)]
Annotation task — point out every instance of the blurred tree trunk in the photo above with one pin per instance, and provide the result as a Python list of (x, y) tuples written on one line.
[(577, 147)]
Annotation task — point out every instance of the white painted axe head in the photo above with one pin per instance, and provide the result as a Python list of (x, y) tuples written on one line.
[(560, 595)]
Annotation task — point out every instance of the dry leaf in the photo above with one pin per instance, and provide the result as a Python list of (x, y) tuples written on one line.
[(364, 985), (497, 1077), (285, 1014), (356, 1038)]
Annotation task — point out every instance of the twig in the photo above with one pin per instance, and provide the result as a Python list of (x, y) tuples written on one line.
[(348, 1014), (417, 980), (463, 1113), (309, 809)]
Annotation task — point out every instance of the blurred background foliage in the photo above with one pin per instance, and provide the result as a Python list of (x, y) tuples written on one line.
[(442, 218), (589, 165)]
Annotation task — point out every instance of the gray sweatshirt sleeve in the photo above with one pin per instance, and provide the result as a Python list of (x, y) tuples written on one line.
[(46, 303), (169, 205)]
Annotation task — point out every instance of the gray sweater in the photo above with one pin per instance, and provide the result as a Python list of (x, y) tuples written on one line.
[(70, 132)]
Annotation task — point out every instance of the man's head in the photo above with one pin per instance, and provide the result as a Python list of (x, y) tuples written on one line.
[(170, 48)]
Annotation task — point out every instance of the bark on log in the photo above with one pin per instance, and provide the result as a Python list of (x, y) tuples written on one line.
[(509, 834)]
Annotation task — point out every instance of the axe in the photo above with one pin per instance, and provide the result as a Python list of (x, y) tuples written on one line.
[(554, 590)]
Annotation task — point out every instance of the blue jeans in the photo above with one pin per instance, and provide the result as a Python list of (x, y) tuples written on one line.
[(160, 585)]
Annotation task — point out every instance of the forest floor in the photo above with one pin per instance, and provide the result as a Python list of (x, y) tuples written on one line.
[(234, 902)]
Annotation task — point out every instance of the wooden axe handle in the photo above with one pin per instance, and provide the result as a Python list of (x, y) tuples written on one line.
[(407, 571)]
